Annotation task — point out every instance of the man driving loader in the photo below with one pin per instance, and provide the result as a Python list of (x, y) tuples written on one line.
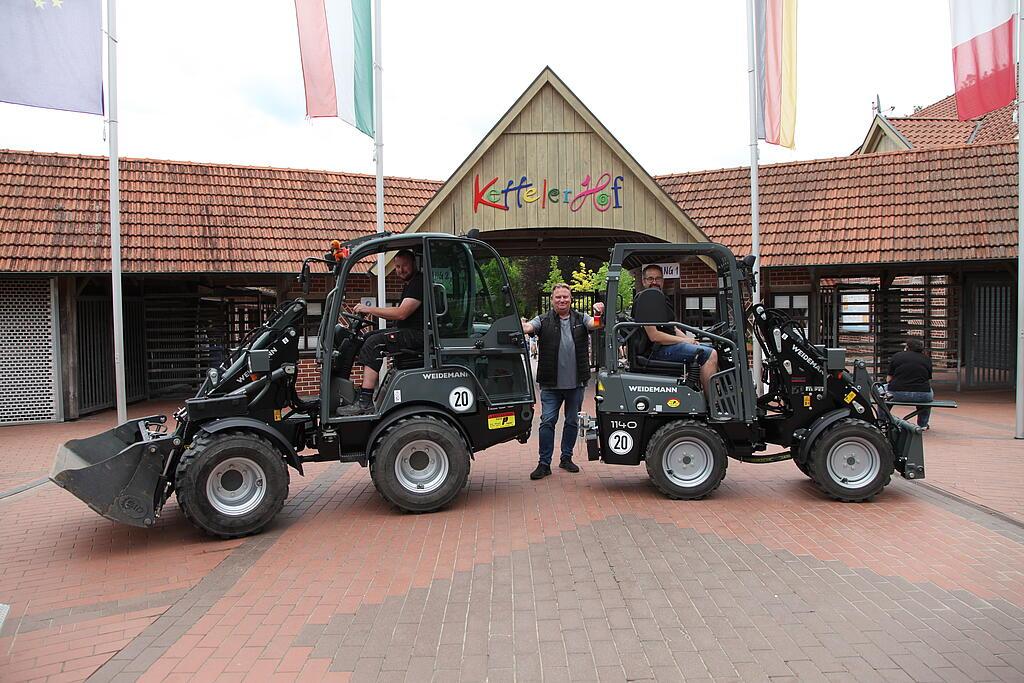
[(665, 342), (408, 315)]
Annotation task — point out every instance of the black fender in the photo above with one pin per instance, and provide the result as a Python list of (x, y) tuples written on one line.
[(390, 418), (260, 427), (803, 449)]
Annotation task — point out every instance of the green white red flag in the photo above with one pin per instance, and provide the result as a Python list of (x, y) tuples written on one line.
[(336, 47)]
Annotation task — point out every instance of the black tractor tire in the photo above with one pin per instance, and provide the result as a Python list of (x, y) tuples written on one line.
[(700, 450), (851, 448), (420, 464), (803, 467), (232, 505)]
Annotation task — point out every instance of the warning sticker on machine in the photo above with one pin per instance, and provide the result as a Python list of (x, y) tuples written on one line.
[(501, 420), (850, 396)]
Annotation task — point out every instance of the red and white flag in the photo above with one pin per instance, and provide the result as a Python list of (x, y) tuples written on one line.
[(984, 72)]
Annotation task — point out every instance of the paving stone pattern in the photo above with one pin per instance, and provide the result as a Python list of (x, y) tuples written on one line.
[(633, 599), (593, 576)]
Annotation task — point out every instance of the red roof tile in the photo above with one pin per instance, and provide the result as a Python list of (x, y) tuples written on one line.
[(937, 125), (943, 204), (917, 206), (934, 132), (185, 217)]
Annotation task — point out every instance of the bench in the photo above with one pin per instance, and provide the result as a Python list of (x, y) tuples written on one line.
[(922, 404), (918, 405)]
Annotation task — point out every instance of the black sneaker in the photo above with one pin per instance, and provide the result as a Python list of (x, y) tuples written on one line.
[(358, 408), (541, 471), (569, 466)]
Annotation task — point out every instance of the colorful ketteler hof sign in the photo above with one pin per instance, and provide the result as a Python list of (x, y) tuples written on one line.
[(602, 194)]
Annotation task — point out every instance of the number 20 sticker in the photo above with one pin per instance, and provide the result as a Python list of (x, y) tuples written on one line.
[(620, 442), (461, 399)]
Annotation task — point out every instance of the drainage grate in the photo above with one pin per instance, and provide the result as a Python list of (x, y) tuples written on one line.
[(4, 609)]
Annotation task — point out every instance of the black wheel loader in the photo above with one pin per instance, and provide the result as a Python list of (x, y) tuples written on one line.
[(835, 423), (228, 456)]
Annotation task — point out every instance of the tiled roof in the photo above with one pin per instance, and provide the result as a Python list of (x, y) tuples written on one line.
[(943, 109), (934, 132), (185, 217), (939, 204), (937, 125), (942, 204)]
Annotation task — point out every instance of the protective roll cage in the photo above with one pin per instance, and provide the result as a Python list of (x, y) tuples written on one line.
[(729, 294), (341, 263)]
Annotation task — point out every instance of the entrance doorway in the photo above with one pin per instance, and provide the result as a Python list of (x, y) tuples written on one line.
[(989, 321)]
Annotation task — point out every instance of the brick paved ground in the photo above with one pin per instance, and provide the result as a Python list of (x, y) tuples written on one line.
[(577, 577)]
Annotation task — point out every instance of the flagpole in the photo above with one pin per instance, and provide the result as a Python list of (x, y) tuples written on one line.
[(378, 150), (115, 214), (1019, 430), (755, 212)]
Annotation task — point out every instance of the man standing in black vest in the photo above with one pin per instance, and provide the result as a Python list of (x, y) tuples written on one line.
[(563, 369)]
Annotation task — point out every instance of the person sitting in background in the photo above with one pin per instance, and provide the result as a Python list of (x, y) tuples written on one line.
[(909, 378)]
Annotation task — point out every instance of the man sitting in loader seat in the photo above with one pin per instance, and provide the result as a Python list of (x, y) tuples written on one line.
[(408, 332), (665, 342)]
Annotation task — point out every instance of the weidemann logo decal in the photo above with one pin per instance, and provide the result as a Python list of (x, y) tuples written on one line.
[(445, 375), (657, 390)]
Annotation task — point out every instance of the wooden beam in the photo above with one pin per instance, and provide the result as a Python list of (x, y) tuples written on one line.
[(67, 302)]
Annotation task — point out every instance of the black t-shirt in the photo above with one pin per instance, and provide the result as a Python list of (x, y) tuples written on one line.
[(413, 290), (910, 371), (651, 306)]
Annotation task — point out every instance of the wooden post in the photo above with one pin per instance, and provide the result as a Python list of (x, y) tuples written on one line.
[(67, 301), (814, 307), (282, 287)]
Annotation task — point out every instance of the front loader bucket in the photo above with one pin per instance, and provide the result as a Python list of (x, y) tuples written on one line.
[(116, 473)]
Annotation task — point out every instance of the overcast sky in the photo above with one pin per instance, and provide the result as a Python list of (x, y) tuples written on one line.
[(220, 80)]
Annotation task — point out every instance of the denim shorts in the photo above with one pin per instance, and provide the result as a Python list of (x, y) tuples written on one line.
[(683, 352)]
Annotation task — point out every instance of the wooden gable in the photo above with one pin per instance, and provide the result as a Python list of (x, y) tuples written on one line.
[(549, 165), (883, 137)]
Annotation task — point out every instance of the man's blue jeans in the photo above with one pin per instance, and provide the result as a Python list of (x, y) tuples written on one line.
[(683, 352), (923, 413), (550, 401)]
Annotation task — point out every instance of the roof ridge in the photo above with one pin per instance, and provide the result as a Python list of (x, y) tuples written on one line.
[(931, 118), (872, 155), (214, 164)]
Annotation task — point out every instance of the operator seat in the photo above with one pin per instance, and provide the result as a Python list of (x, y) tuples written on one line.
[(637, 349), (343, 391)]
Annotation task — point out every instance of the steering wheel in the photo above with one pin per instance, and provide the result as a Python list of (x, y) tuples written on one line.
[(718, 328), (356, 322)]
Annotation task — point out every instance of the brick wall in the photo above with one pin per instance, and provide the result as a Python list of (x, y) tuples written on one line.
[(358, 286), (695, 275), (787, 279)]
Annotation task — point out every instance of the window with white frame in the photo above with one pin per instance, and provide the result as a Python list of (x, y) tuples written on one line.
[(700, 311), (311, 326), (796, 306)]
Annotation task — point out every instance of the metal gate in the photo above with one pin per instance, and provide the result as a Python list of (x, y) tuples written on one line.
[(581, 301), (872, 323), (187, 334), (29, 360), (849, 320), (989, 333), (95, 333)]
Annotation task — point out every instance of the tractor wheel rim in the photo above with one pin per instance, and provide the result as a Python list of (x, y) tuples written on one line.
[(421, 466), (688, 463), (236, 486), (853, 463)]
